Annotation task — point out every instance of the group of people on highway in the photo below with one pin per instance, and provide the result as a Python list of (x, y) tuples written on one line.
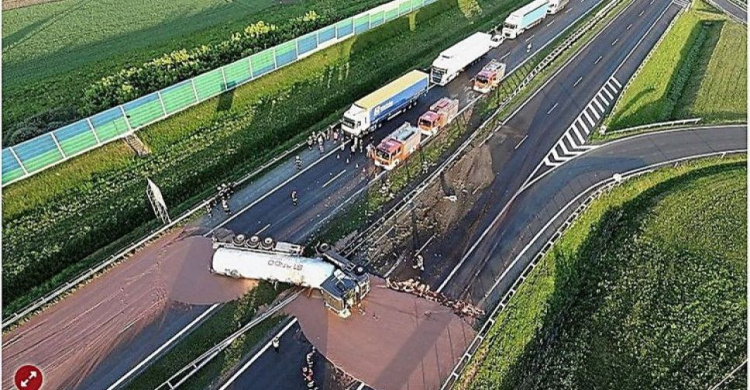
[(307, 370), (223, 193)]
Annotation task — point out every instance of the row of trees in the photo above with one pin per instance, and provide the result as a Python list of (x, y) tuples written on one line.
[(135, 81)]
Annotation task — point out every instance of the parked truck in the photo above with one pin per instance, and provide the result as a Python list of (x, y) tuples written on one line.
[(440, 114), (342, 283), (372, 110), (397, 147), (489, 77), (556, 5), (454, 60), (525, 18)]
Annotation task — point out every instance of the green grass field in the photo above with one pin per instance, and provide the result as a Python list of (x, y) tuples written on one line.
[(74, 211), (645, 290), (53, 51), (698, 70)]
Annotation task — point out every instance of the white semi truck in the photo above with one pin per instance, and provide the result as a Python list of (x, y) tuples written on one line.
[(525, 18), (342, 283), (455, 59), (556, 5)]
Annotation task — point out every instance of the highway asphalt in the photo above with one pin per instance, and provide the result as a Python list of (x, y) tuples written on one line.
[(540, 124), (540, 128), (731, 8), (322, 185)]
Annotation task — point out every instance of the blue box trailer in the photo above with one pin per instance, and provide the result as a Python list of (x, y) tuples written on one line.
[(372, 110)]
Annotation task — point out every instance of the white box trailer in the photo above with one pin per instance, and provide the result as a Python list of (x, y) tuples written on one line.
[(556, 5), (525, 18), (452, 61)]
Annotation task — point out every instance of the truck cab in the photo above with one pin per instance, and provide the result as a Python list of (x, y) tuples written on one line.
[(440, 114), (356, 121), (511, 27), (489, 77), (397, 147)]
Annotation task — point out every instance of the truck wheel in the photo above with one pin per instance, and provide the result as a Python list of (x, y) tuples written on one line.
[(239, 239)]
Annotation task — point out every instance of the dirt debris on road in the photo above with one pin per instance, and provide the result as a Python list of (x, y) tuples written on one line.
[(69, 339), (398, 341)]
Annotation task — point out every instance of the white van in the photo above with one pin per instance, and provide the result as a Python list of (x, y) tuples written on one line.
[(556, 5)]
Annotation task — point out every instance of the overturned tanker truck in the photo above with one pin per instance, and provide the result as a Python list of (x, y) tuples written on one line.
[(342, 283)]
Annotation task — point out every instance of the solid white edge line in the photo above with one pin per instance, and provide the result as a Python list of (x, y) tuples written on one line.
[(163, 346), (334, 178), (257, 355)]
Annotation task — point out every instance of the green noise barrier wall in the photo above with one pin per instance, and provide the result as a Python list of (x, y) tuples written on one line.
[(32, 156)]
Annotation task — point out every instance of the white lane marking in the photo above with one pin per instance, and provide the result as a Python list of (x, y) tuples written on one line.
[(262, 230), (361, 386), (530, 38), (583, 125), (601, 96), (588, 118), (629, 26), (556, 156), (550, 23), (552, 109), (601, 108), (267, 194), (257, 355), (611, 96), (570, 138), (640, 14), (567, 11), (616, 82), (615, 41), (520, 142), (519, 108), (503, 57), (578, 81), (597, 60), (579, 135), (163, 346), (596, 114), (334, 178)]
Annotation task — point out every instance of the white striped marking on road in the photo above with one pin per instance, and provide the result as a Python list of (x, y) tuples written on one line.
[(578, 134), (257, 355), (601, 96), (262, 230), (553, 21), (583, 126), (530, 38), (520, 142), (616, 82), (615, 41), (577, 81), (608, 93), (599, 105), (334, 178), (588, 118), (596, 113), (629, 26), (553, 108), (597, 60)]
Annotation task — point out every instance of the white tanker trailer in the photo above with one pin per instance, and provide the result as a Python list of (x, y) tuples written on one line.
[(342, 283)]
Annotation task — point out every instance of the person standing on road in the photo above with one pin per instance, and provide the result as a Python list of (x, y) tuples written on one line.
[(361, 144), (528, 47), (335, 136), (310, 142), (225, 206), (419, 263), (294, 197), (275, 342), (209, 210), (353, 149), (298, 163)]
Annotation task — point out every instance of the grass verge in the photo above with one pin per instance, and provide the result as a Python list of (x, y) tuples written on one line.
[(75, 216), (698, 70), (645, 290)]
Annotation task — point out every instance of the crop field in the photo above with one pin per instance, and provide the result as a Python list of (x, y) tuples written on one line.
[(645, 290), (698, 70), (76, 216), (52, 52)]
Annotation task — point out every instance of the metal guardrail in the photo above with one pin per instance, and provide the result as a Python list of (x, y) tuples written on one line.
[(47, 150), (85, 275), (405, 201), (681, 122), (193, 367), (599, 189)]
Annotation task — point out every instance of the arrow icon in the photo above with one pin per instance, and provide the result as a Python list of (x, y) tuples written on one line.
[(32, 375), (24, 383)]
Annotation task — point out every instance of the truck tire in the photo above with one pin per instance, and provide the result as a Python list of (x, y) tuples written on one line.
[(253, 242), (267, 243), (324, 247), (239, 240)]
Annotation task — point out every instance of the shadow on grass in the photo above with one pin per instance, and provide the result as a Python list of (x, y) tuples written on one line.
[(573, 308)]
